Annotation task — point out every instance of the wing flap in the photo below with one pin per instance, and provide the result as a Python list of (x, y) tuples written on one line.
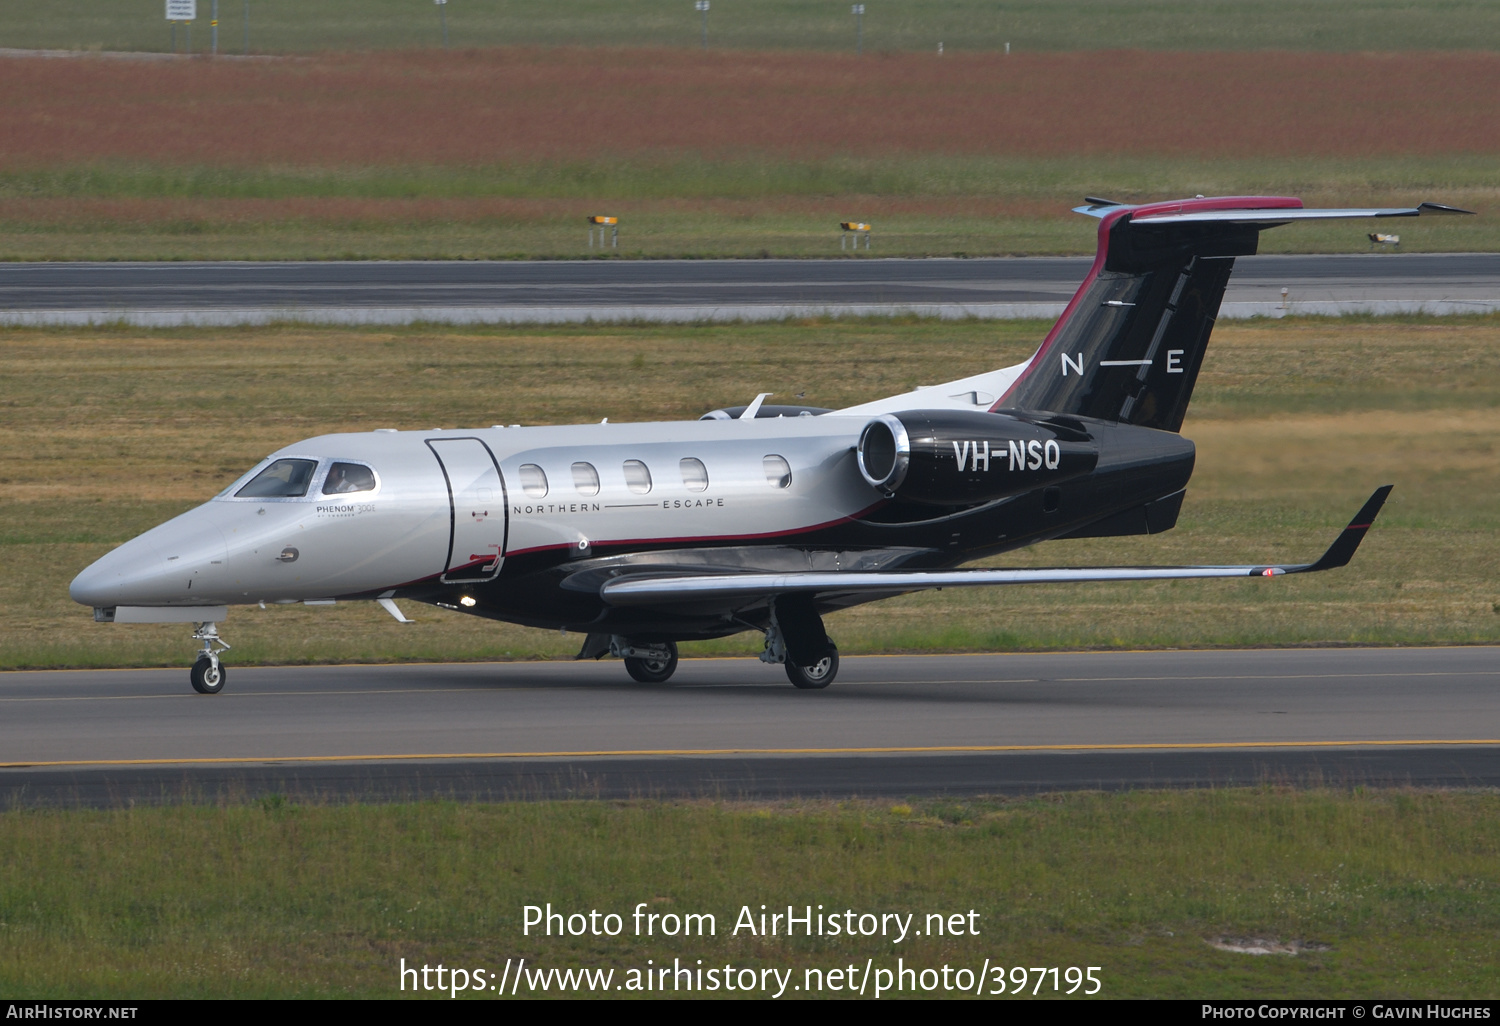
[(647, 590)]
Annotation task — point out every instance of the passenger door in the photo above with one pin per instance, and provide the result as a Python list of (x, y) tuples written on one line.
[(477, 506)]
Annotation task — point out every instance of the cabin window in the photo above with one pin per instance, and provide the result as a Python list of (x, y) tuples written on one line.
[(637, 477), (284, 479), (533, 481), (585, 479), (778, 471), (694, 474), (344, 478)]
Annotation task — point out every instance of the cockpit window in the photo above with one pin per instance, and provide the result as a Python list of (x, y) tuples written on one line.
[(284, 479), (348, 477)]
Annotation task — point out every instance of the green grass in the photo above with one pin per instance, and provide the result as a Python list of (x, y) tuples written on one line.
[(273, 899), (283, 26), (694, 207), (105, 433), (758, 177)]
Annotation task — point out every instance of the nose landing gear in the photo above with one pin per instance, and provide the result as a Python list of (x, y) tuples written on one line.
[(208, 673)]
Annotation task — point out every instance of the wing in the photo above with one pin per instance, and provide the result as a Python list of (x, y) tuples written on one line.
[(652, 589)]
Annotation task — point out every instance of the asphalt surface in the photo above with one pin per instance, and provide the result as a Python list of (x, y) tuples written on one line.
[(734, 728), (667, 290)]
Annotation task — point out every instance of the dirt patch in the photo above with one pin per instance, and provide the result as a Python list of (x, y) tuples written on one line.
[(494, 106), (1265, 946)]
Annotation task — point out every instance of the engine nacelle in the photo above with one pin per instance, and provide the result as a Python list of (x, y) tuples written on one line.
[(954, 457)]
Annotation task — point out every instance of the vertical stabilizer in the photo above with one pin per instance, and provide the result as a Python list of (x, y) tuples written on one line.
[(1130, 344)]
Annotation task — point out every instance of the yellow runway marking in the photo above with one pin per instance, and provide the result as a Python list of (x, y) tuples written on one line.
[(936, 749)]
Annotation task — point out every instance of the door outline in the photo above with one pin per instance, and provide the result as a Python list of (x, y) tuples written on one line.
[(453, 511)]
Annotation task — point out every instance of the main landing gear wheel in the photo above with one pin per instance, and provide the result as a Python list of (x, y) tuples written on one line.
[(819, 675), (650, 670), (208, 676)]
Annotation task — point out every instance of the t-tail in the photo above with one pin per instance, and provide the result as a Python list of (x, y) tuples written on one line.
[(1129, 346)]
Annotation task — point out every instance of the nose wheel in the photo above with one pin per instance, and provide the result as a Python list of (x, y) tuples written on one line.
[(208, 673), (207, 676)]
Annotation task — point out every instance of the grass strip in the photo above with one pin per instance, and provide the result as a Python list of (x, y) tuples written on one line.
[(1385, 892), (105, 433), (692, 207), (288, 26)]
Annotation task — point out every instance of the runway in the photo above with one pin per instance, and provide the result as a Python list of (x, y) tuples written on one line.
[(473, 292), (733, 728)]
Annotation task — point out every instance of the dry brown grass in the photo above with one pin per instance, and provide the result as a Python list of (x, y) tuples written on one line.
[(482, 107)]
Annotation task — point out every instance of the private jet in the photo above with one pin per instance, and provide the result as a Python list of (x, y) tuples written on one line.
[(758, 518)]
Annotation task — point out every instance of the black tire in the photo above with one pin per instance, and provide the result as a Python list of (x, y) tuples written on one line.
[(208, 676), (819, 675), (653, 671)]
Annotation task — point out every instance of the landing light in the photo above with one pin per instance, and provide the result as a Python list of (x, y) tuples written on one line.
[(467, 600)]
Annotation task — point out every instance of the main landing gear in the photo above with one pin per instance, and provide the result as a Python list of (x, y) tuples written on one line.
[(796, 639), (208, 673), (656, 666), (650, 662), (819, 675)]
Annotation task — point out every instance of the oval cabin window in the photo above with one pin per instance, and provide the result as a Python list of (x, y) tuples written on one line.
[(637, 477), (585, 479), (533, 481), (694, 474), (778, 471)]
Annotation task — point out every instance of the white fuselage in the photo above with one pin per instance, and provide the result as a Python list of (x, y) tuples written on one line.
[(439, 510)]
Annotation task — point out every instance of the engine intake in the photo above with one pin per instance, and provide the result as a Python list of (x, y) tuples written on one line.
[(884, 453), (948, 457)]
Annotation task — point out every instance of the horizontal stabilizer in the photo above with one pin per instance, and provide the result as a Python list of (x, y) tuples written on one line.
[(1271, 215), (1274, 217), (650, 589)]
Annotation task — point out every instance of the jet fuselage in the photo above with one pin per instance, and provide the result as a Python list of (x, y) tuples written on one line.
[(522, 523)]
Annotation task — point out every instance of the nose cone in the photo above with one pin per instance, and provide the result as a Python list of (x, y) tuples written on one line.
[(174, 564)]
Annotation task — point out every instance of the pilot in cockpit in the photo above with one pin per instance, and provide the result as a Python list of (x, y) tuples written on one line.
[(348, 477)]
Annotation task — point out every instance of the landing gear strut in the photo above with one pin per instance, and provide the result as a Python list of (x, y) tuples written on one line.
[(812, 666), (208, 673)]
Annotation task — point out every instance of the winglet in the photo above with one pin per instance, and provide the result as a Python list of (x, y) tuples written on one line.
[(1441, 208), (1342, 549)]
